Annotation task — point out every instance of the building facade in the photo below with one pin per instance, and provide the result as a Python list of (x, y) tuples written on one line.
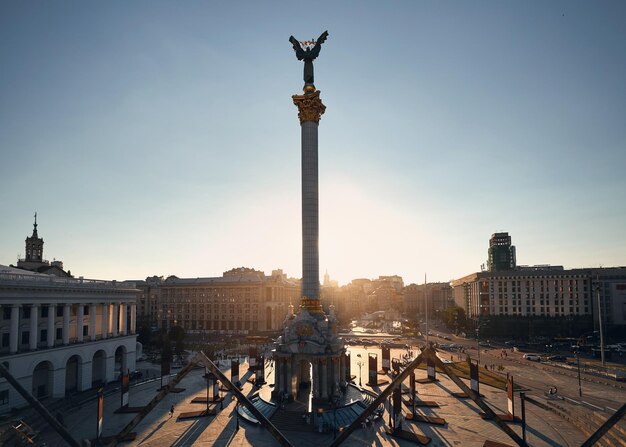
[(241, 301), (59, 335), (435, 297), (545, 291), (501, 254)]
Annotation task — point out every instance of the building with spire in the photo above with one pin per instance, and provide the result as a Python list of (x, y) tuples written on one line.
[(34, 261)]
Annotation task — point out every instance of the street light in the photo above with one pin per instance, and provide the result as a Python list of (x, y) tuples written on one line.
[(359, 364)]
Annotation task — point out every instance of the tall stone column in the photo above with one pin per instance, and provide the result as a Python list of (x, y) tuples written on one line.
[(115, 319), (34, 333), (66, 324), (105, 320), (92, 322), (15, 324), (123, 325), (80, 316), (310, 110), (52, 315), (133, 318)]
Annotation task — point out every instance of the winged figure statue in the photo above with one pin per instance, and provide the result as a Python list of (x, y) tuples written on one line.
[(308, 55)]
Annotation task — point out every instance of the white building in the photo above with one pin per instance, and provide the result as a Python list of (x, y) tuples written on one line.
[(59, 335)]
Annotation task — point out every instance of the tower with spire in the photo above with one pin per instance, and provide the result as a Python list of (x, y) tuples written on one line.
[(34, 246), (34, 261)]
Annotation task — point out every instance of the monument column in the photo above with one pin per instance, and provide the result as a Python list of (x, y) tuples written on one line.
[(310, 110)]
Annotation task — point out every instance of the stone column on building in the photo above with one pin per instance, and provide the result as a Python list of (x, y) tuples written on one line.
[(92, 322), (80, 316), (66, 324), (115, 319), (106, 327), (133, 318), (52, 314), (34, 333), (310, 110), (14, 328), (123, 325)]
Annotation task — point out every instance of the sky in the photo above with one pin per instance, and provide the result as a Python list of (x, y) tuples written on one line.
[(160, 138)]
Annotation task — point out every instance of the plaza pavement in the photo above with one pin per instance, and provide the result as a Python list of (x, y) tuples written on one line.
[(464, 425)]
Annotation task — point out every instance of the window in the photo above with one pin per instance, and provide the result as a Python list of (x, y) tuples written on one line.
[(26, 312), (44, 335), (25, 337), (44, 311), (6, 313), (59, 311), (85, 330), (5, 339), (59, 333), (86, 310)]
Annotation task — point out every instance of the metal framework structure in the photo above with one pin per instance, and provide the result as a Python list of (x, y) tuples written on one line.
[(201, 358)]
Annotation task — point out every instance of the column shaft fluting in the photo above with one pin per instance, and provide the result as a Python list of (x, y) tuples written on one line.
[(310, 212)]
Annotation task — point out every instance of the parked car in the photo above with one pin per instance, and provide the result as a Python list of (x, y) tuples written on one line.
[(533, 357)]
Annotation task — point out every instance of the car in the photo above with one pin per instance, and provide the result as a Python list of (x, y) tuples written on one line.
[(447, 337), (532, 357), (557, 358)]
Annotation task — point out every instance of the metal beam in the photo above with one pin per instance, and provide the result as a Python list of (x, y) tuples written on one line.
[(242, 399), (201, 357), (153, 403), (379, 400), (476, 398), (610, 422), (39, 408)]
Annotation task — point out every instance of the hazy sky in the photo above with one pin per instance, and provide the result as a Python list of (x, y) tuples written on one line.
[(161, 138)]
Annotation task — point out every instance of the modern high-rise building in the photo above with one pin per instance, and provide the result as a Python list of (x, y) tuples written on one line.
[(501, 253)]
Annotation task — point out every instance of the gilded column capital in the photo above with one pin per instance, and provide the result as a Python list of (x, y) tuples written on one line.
[(310, 107)]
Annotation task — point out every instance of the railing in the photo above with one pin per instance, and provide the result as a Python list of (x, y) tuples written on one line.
[(55, 281)]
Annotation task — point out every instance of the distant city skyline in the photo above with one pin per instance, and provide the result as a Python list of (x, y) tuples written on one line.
[(157, 139)]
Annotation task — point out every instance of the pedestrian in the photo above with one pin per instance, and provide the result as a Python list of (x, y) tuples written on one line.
[(172, 410)]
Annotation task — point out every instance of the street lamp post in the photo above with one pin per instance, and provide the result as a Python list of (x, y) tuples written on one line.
[(359, 364), (580, 389)]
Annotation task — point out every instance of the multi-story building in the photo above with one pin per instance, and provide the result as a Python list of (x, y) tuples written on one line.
[(545, 291), (58, 335), (241, 301), (501, 253), (438, 295)]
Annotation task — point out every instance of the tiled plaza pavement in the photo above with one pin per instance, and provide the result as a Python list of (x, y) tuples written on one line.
[(464, 425)]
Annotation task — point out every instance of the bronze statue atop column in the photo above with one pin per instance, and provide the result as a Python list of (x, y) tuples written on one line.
[(309, 54)]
